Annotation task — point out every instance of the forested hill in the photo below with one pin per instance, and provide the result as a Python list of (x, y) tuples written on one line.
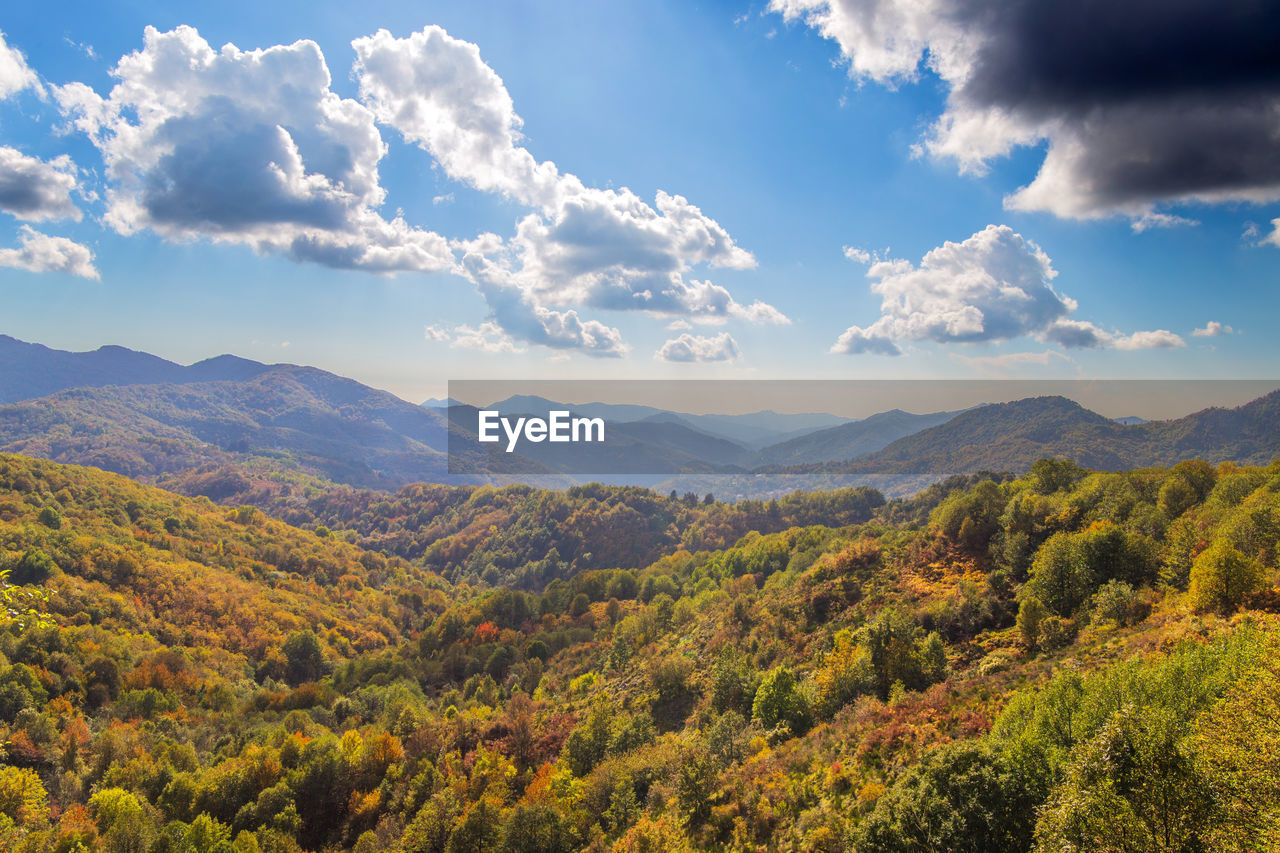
[(1067, 660), (1012, 436), (523, 537)]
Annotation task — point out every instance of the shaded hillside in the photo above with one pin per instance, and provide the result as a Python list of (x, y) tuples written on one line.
[(287, 420)]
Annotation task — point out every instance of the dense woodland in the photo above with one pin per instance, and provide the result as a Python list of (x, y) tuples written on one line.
[(1064, 660)]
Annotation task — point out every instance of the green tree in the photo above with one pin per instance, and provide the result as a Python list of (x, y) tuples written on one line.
[(961, 797), (305, 659), (778, 702), (536, 829), (1133, 786), (1237, 744), (1031, 613), (1221, 577), (1060, 574)]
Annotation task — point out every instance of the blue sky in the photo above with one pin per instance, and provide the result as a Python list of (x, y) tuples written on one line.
[(687, 192)]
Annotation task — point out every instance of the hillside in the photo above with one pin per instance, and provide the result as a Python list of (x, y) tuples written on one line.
[(992, 665), (290, 424)]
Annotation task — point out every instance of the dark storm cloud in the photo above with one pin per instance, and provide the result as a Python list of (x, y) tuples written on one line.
[(1075, 55), (1159, 101), (1141, 103)]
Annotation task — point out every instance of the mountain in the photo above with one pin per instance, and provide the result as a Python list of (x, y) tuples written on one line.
[(660, 444), (753, 430), (851, 439), (1012, 436), (284, 420), (28, 371)]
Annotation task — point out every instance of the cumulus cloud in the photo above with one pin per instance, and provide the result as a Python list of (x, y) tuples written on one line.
[(248, 147), (1212, 329), (1140, 104), (15, 74), (579, 246), (696, 348), (486, 337), (858, 256), (36, 190), (1006, 363), (42, 253), (1274, 237), (994, 286), (519, 314)]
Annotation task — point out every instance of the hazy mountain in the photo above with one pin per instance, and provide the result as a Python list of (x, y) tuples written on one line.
[(660, 444), (285, 419), (753, 430), (28, 371), (1012, 436), (851, 439), (439, 403)]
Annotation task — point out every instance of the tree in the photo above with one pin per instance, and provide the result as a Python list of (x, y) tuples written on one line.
[(960, 797), (1133, 786), (479, 831), (1031, 613), (22, 797), (1238, 746), (536, 829), (1221, 577), (779, 703), (305, 660), (1060, 574)]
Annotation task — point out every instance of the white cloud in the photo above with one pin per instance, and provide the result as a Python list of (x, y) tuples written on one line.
[(1006, 363), (1138, 105), (580, 246), (1151, 220), (1274, 237), (247, 147), (42, 253), (858, 256), (994, 286), (35, 190), (1212, 329), (679, 325), (15, 74), (486, 337), (1157, 339), (520, 315), (696, 348)]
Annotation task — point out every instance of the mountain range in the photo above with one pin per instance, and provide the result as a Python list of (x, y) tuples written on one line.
[(235, 429)]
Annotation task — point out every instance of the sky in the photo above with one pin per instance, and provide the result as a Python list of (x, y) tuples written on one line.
[(408, 193)]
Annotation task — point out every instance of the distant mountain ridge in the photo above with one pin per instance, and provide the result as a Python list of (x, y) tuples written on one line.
[(228, 427), (1012, 436), (28, 371)]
